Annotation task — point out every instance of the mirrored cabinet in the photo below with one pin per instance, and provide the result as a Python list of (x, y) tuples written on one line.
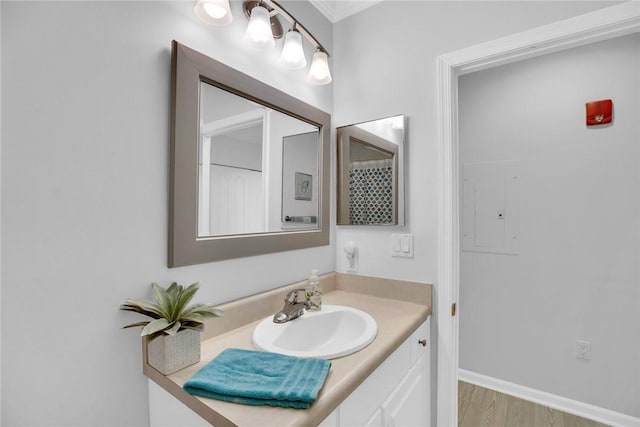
[(371, 172)]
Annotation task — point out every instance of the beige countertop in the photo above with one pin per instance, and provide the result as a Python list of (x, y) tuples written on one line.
[(398, 307)]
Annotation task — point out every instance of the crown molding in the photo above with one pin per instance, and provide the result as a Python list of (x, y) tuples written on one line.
[(336, 10)]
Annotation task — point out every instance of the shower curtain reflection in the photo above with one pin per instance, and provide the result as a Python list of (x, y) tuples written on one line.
[(371, 192)]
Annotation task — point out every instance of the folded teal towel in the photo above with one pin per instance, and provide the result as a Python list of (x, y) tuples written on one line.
[(260, 378)]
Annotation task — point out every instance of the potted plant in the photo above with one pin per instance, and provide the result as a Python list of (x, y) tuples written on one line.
[(173, 333)]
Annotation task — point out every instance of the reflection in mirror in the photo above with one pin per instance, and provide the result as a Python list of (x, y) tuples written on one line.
[(371, 172), (300, 181), (249, 172), (247, 156)]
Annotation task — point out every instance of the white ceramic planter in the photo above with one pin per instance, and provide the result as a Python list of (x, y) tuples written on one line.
[(169, 354)]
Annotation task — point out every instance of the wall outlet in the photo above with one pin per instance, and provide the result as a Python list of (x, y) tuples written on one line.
[(583, 350)]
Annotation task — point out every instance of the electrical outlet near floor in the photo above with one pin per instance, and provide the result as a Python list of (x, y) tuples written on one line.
[(583, 350)]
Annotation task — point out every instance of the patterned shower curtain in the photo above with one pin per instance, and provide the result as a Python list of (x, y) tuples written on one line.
[(371, 192)]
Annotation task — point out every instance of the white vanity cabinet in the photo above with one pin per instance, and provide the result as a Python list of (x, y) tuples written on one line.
[(406, 406), (397, 394)]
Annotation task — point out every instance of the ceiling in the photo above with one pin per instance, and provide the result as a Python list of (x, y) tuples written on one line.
[(335, 10)]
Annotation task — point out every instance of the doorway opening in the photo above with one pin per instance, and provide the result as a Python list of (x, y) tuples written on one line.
[(601, 25)]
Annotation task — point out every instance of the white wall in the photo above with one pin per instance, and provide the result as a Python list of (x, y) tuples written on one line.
[(0, 220), (576, 275), (85, 154), (234, 152), (385, 65)]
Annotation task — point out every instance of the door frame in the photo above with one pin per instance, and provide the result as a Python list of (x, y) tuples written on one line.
[(589, 28)]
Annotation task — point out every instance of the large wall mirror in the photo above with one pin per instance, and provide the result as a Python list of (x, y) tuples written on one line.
[(249, 165), (371, 172)]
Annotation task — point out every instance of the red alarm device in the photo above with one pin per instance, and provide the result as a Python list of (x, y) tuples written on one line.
[(599, 112)]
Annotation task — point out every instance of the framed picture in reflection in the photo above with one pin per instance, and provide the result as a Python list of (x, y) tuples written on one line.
[(303, 186)]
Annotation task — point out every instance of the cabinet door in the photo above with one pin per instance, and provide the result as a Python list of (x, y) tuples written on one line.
[(409, 405), (375, 420), (358, 408), (420, 341)]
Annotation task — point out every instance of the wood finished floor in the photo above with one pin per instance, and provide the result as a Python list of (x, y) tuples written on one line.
[(481, 407)]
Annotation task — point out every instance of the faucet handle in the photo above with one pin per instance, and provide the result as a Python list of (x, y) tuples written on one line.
[(292, 296)]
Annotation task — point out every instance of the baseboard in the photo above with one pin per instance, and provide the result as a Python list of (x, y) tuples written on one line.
[(560, 403)]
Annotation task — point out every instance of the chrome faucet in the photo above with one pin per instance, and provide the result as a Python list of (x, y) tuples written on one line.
[(292, 307)]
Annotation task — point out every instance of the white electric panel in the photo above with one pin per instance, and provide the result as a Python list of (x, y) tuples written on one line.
[(490, 207)]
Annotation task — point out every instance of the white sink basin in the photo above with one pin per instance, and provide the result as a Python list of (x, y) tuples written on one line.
[(332, 332)]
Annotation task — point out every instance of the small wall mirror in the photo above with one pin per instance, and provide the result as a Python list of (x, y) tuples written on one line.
[(371, 172), (249, 165)]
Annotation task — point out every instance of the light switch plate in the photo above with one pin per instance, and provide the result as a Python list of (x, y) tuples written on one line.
[(402, 245)]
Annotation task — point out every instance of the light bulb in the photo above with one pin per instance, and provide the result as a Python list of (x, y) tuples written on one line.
[(258, 32), (319, 73), (215, 12), (292, 55)]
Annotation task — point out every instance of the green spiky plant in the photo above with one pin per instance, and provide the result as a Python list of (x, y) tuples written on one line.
[(169, 312)]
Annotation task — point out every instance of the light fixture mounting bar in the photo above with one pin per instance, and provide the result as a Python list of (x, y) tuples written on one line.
[(282, 11)]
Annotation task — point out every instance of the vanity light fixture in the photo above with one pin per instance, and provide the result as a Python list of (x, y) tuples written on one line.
[(215, 12), (264, 26), (319, 73), (292, 55), (258, 32)]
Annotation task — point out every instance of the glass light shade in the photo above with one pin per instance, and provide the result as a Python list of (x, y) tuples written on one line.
[(319, 73), (292, 55), (215, 12), (258, 32)]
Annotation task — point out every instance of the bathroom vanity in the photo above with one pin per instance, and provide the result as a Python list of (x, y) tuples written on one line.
[(385, 383), (397, 393)]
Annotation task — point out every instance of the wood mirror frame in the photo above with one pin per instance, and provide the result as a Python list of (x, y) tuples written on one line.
[(190, 68)]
